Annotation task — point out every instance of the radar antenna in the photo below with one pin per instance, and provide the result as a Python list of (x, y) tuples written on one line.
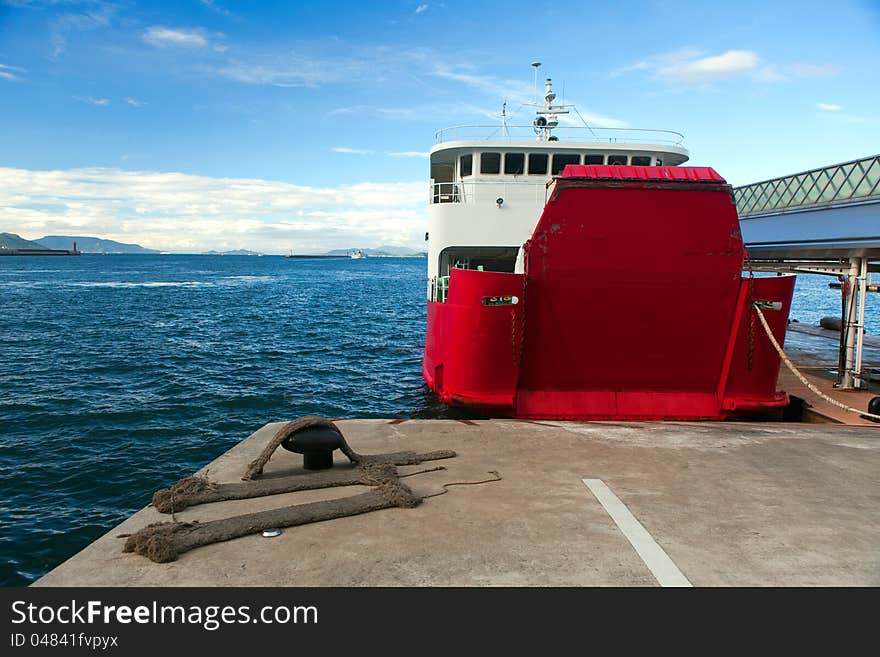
[(547, 116)]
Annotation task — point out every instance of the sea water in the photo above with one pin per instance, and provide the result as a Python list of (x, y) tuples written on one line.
[(121, 374)]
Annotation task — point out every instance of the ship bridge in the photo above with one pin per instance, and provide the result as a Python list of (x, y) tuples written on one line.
[(477, 164), (821, 221), (470, 162)]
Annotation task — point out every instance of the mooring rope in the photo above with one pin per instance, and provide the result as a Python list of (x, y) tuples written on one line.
[(287, 430), (494, 473), (164, 542), (801, 377)]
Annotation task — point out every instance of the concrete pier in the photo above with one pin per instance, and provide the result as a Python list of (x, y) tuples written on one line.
[(814, 350), (730, 503)]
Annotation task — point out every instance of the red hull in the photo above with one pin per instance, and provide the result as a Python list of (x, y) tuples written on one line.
[(632, 307)]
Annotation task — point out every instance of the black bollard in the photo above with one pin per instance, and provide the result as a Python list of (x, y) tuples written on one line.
[(316, 444)]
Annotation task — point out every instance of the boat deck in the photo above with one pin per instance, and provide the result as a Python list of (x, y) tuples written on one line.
[(729, 503)]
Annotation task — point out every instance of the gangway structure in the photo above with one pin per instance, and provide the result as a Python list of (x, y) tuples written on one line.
[(823, 221)]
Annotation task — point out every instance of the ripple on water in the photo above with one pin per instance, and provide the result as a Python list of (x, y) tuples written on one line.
[(122, 374)]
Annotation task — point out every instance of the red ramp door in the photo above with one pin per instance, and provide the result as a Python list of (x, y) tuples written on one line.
[(633, 275)]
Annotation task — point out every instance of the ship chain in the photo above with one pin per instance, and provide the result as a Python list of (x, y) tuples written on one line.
[(750, 352), (522, 336), (513, 350)]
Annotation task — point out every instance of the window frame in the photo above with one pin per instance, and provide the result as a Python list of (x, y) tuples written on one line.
[(461, 173), (522, 164), (553, 171), (546, 157), (483, 154)]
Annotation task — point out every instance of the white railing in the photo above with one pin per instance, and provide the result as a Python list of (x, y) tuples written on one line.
[(488, 191), (848, 182), (446, 192), (438, 288), (564, 134)]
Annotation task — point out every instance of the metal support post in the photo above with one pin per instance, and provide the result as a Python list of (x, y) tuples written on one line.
[(862, 292), (850, 325)]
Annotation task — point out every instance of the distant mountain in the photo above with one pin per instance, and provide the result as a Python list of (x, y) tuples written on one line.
[(382, 251), (90, 244), (13, 241), (236, 252)]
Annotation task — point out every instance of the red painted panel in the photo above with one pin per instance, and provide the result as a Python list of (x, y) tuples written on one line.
[(619, 172), (475, 346), (631, 289), (744, 386)]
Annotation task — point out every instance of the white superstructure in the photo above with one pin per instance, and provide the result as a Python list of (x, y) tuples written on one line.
[(488, 193)]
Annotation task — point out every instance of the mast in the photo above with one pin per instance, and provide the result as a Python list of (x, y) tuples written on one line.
[(536, 66), (548, 116)]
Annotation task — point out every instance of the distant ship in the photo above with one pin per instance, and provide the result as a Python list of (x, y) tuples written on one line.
[(357, 254), (587, 276)]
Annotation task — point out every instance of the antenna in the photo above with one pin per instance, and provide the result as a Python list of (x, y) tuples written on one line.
[(537, 65)]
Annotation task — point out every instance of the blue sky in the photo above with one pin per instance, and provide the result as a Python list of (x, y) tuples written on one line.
[(202, 124)]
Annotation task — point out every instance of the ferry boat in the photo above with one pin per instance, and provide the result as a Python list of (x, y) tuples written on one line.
[(357, 254), (583, 273)]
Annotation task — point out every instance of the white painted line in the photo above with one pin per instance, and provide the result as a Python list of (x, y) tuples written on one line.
[(657, 561)]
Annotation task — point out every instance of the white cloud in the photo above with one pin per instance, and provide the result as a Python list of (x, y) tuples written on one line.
[(99, 15), (421, 8), (210, 4), (163, 36), (304, 67), (10, 72), (100, 102), (402, 112), (805, 70), (696, 67), (592, 119), (188, 213), (422, 154), (295, 72), (828, 107), (517, 93), (693, 67), (516, 90), (135, 103), (351, 151), (704, 69), (769, 74)]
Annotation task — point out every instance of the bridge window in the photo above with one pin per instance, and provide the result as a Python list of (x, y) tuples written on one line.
[(466, 165), (490, 163), (480, 258), (594, 159), (561, 159), (538, 164), (641, 161), (514, 163), (617, 159)]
